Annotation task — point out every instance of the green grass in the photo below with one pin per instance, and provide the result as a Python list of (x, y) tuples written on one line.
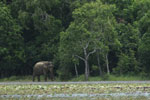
[(16, 78), (80, 78), (111, 78), (22, 79), (126, 78)]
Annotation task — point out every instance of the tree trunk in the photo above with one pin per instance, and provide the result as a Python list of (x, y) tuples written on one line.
[(76, 70), (107, 64), (86, 64), (86, 70), (100, 69), (85, 59)]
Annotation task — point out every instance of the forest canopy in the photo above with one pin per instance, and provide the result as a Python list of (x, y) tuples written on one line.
[(90, 37)]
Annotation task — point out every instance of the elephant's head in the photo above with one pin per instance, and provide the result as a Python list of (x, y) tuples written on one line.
[(50, 66)]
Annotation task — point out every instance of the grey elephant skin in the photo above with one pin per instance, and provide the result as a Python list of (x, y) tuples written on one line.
[(43, 68)]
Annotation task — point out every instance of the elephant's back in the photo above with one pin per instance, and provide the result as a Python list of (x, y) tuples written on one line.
[(38, 68), (39, 63)]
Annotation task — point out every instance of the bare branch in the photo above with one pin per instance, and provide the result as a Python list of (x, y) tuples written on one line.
[(91, 52), (80, 57)]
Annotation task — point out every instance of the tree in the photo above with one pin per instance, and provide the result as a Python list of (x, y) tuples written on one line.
[(123, 11), (92, 27), (144, 23), (105, 24), (143, 52), (40, 29), (127, 64), (129, 39), (140, 12), (11, 43)]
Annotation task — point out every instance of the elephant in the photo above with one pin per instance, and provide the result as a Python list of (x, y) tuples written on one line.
[(43, 68)]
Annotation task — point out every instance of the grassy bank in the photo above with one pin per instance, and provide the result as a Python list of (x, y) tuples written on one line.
[(112, 78), (24, 90), (30, 89), (81, 78), (69, 89)]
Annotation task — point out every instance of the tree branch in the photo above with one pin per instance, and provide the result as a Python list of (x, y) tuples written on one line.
[(80, 57), (91, 52), (87, 44)]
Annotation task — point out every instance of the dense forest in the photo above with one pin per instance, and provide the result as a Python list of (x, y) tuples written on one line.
[(90, 37)]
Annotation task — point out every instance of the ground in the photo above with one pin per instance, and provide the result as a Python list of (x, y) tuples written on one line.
[(102, 90)]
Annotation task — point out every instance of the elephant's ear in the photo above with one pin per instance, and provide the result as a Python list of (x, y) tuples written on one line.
[(45, 66), (50, 63)]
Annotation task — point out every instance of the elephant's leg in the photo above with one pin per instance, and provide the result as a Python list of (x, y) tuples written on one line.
[(51, 76), (45, 74), (45, 78), (38, 78)]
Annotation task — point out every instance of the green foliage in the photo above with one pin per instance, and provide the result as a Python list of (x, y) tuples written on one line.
[(123, 11), (128, 36), (71, 32), (144, 50), (129, 39), (40, 29), (140, 11), (11, 43), (144, 23), (92, 28), (95, 70), (140, 8), (127, 64)]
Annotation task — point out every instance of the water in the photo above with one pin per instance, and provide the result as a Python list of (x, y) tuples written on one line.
[(80, 95)]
